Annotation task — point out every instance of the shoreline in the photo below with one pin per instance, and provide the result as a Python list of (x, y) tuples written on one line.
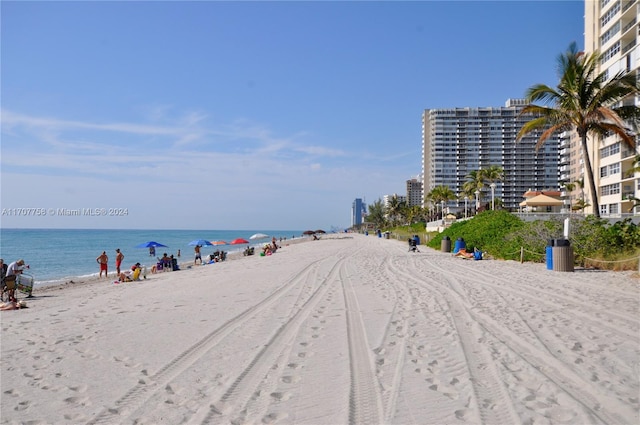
[(73, 281)]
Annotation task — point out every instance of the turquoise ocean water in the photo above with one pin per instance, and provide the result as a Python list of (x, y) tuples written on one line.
[(58, 255)]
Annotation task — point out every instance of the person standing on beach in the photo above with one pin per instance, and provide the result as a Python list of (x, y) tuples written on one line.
[(152, 251), (3, 268), (13, 271), (119, 258), (103, 260), (198, 256)]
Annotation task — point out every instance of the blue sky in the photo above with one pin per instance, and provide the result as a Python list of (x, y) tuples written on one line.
[(246, 115)]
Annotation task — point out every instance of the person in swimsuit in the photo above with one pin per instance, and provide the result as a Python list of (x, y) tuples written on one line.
[(103, 260), (119, 258), (198, 255)]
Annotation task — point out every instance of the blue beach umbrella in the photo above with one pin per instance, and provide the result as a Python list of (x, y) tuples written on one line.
[(200, 242), (150, 244)]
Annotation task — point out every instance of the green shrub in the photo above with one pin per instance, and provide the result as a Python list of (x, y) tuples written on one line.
[(502, 235)]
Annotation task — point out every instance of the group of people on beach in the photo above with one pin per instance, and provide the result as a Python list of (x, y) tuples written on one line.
[(123, 276), (103, 261)]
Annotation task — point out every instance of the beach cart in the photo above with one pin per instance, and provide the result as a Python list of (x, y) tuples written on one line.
[(24, 283)]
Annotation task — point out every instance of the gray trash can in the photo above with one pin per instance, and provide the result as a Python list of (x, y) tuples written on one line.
[(562, 253), (445, 244)]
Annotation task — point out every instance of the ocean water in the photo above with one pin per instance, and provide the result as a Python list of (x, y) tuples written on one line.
[(58, 255)]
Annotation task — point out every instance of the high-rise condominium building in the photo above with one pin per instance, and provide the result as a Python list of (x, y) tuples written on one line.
[(414, 192), (457, 141), (358, 211), (611, 28)]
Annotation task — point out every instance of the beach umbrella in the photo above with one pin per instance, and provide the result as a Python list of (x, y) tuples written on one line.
[(258, 236), (239, 241), (320, 231), (200, 242), (218, 243), (150, 244), (308, 232)]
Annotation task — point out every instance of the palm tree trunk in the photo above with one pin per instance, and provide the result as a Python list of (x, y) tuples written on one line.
[(592, 183)]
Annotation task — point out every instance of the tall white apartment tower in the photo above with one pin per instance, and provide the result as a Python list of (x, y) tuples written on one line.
[(457, 141), (612, 27)]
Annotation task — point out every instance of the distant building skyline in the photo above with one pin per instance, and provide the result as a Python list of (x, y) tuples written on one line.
[(457, 141), (358, 211)]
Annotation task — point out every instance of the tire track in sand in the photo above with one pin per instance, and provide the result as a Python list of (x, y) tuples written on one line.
[(151, 384), (492, 397), (605, 408), (237, 400), (365, 401)]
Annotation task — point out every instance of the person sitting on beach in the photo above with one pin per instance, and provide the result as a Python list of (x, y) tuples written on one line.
[(131, 275), (463, 253), (174, 263), (166, 262)]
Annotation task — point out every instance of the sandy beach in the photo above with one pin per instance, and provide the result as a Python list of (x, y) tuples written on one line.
[(346, 330)]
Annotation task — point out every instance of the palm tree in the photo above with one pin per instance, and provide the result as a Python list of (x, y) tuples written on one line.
[(585, 102), (475, 182), (569, 187), (580, 183), (635, 167), (492, 174), (395, 208), (440, 194)]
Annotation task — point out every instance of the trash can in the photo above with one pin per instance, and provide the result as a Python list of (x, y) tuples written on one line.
[(379, 233), (445, 244), (386, 235), (549, 254), (460, 244), (417, 239), (562, 253)]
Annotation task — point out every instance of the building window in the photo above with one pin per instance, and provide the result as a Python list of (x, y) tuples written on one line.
[(610, 33), (610, 189), (613, 209), (610, 52), (610, 14), (610, 169), (610, 150)]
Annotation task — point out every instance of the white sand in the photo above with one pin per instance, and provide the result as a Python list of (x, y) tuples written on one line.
[(348, 330)]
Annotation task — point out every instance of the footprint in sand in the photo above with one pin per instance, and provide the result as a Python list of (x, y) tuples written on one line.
[(78, 401), (281, 396), (79, 388), (273, 418), (12, 393), (23, 405), (290, 379)]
